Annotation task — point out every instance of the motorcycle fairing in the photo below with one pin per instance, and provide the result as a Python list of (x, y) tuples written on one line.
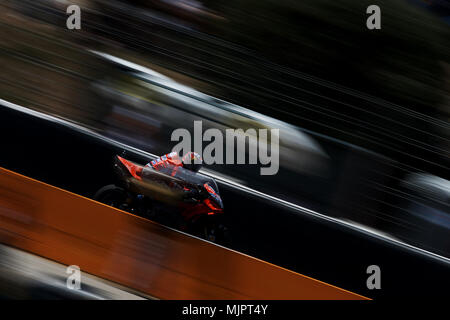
[(215, 196), (134, 169)]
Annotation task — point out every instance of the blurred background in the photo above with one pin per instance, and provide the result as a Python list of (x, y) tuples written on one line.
[(363, 114)]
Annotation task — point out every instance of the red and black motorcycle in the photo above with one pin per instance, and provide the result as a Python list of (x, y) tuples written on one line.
[(188, 202)]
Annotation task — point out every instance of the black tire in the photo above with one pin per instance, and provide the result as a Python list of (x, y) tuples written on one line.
[(112, 195), (211, 229)]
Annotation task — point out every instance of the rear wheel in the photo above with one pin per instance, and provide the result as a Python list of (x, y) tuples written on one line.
[(113, 196)]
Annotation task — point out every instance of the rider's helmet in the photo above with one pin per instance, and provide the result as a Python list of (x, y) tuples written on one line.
[(192, 161)]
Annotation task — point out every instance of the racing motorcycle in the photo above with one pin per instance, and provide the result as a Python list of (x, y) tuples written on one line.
[(188, 202)]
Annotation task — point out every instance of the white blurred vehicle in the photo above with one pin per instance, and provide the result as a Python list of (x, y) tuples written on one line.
[(147, 94)]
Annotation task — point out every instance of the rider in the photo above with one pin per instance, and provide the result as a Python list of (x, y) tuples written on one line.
[(169, 163)]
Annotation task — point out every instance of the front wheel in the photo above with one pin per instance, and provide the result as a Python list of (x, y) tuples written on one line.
[(211, 229)]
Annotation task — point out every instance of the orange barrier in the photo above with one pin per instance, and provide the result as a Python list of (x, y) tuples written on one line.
[(138, 253)]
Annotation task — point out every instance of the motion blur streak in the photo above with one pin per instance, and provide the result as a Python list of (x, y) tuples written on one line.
[(232, 183), (27, 276), (363, 116), (138, 253)]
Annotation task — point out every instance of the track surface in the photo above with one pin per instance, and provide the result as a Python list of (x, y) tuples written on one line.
[(309, 244)]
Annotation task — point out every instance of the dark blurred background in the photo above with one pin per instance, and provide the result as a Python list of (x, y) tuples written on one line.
[(363, 114)]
